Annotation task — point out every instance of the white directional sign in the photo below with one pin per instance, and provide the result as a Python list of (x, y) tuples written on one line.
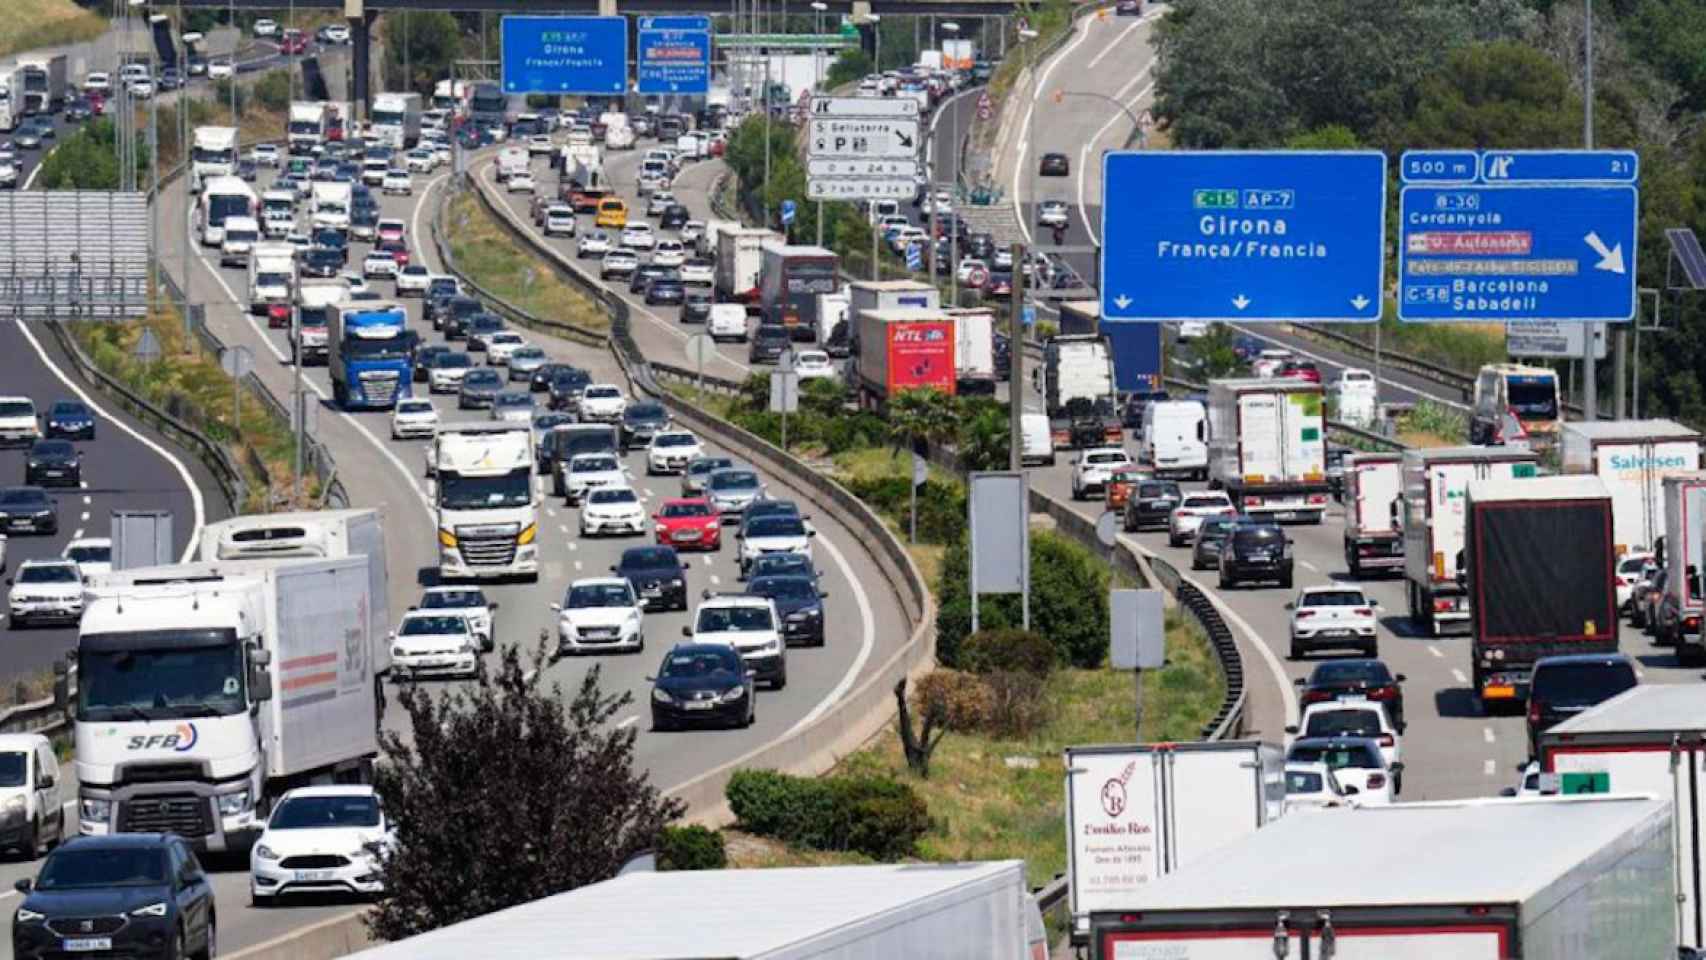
[(862, 148), (877, 137), (825, 107), (840, 167), (860, 188)]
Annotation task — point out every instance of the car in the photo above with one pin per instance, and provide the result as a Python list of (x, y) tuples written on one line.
[(699, 470), (322, 262), (396, 249), (1128, 8), (1562, 686), (644, 274), (1353, 717), (266, 155), (726, 321), (674, 217), (1335, 617), (413, 279), (783, 565), (1646, 615), (1364, 677), (603, 403), (1533, 782), (696, 306), (92, 555), (479, 330), (520, 182), (1631, 569), (799, 602), (420, 160), (585, 472), (698, 272), (1355, 761), (1312, 787), (69, 420), (1255, 551), (702, 685), (221, 68), (379, 263), (28, 137), (612, 510), (638, 236), (669, 253), (688, 523), (469, 602), (750, 625), (657, 575), (339, 832), (560, 221), (939, 202), (79, 109), (1054, 165), (53, 463), (524, 361), (397, 183), (265, 27), (1092, 467), (414, 418), (814, 365), (1053, 213), (540, 145), (618, 263), (1151, 505), (434, 643), (45, 590), (1268, 362), (98, 82), (334, 33), (772, 534), (445, 371), (972, 273), (769, 342), (658, 202), (594, 243), (500, 344), (599, 614), (513, 406), (1304, 370), (565, 389), (479, 388), (458, 316), (121, 894), (1196, 507), (665, 291), (731, 490), (18, 423), (641, 422), (691, 231)]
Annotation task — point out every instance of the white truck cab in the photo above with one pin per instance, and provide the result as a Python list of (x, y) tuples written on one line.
[(488, 520)]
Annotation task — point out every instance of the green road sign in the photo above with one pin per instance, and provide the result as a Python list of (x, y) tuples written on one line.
[(1215, 199)]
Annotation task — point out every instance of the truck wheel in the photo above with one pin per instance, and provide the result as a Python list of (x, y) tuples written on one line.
[(1285, 581)]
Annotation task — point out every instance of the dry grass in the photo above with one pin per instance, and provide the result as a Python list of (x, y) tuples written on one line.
[(492, 258), (34, 24)]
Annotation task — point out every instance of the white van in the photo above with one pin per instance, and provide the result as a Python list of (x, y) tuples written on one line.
[(727, 322), (241, 235), (1036, 440), (1355, 396), (31, 772), (1175, 438), (883, 209)]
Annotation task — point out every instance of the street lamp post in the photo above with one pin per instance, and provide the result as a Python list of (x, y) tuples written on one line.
[(954, 171), (818, 7), (1015, 319)]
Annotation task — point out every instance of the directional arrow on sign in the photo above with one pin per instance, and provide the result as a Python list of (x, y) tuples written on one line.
[(906, 140), (1240, 301), (1359, 301), (1122, 301), (1611, 259)]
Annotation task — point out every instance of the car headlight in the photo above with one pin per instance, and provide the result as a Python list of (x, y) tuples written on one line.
[(152, 910), (26, 916), (231, 804), (95, 809), (399, 652), (662, 696), (265, 852), (733, 693), (15, 806)]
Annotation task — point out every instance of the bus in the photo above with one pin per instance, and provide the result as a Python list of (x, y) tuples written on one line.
[(1527, 393), (223, 197)]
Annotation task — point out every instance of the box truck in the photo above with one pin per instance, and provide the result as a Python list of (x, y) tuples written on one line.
[(396, 120), (740, 255), (369, 354), (1538, 568), (1681, 549), (1579, 878), (314, 299), (834, 331), (790, 278), (213, 153), (488, 517), (11, 98), (1431, 506), (1136, 813), (44, 83), (1076, 379), (974, 350), (205, 690), (1374, 537), (863, 295), (1267, 447), (1633, 457), (307, 126), (272, 281), (903, 350)]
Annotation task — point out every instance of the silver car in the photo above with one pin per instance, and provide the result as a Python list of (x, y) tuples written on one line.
[(525, 362), (694, 476)]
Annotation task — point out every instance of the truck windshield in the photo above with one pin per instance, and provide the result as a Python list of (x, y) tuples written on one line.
[(1534, 398), (384, 117), (387, 348), (459, 492), (222, 205), (272, 279), (305, 126), (211, 155), (167, 681), (311, 316)]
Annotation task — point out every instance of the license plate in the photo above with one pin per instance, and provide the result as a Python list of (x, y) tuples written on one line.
[(21, 524), (687, 535), (699, 704), (86, 944), (652, 591), (313, 876), (1286, 515)]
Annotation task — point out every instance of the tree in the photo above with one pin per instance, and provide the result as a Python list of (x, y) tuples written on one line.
[(1497, 95), (985, 436), (851, 66), (1069, 601), (506, 794), (919, 745), (920, 414), (430, 39)]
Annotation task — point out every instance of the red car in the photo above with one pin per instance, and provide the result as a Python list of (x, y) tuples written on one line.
[(293, 41), (398, 252), (686, 524), (391, 231), (1299, 370)]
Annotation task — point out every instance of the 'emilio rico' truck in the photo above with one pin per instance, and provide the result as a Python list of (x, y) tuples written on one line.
[(1431, 504), (1267, 447), (1633, 457), (368, 353), (1374, 538), (205, 690), (488, 517)]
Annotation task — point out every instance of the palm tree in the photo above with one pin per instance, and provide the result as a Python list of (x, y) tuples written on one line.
[(920, 414), (985, 439)]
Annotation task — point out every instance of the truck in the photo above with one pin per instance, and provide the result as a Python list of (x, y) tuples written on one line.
[(1648, 739), (834, 331), (583, 182), (1374, 533), (307, 126), (331, 205), (740, 257), (790, 278), (863, 295), (213, 153), (1135, 813), (396, 120), (1633, 457), (272, 281), (905, 349), (314, 299), (1683, 603), (452, 95), (488, 105), (206, 690), (618, 135), (1267, 447), (1577, 878), (11, 104), (1539, 571), (488, 521), (1080, 317), (45, 83), (1175, 438), (512, 161), (974, 350), (959, 54), (1076, 379), (1431, 507), (368, 354)]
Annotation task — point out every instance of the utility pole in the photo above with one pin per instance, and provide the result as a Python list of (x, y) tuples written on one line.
[(1016, 367), (1590, 379)]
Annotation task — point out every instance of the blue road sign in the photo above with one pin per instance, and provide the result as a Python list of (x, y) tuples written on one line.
[(1540, 235), (1249, 236), (565, 55), (914, 256), (1137, 355), (788, 211), (674, 55), (1028, 316)]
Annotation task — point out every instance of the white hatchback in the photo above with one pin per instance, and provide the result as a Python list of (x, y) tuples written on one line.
[(340, 828), (1197, 506), (669, 253), (638, 236), (813, 365), (412, 418), (559, 220), (1353, 717)]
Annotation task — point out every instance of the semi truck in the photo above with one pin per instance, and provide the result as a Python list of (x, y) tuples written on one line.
[(488, 521), (834, 326), (1681, 605), (1538, 567), (205, 690), (740, 256), (1431, 506), (11, 98), (1579, 878), (396, 120), (1633, 457), (314, 299), (1076, 379), (368, 354), (863, 295), (1374, 535), (272, 281), (332, 201), (213, 153), (898, 350), (1507, 391), (790, 278), (1648, 739), (1136, 813), (307, 126), (1267, 447), (583, 183), (451, 95), (45, 82), (974, 350)]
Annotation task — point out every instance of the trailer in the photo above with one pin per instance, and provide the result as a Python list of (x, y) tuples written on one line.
[(1633, 457), (1578, 878), (1374, 535), (974, 350), (45, 83), (790, 278), (1680, 550), (1076, 379), (898, 350), (1431, 505), (863, 295), (1267, 447), (740, 257)]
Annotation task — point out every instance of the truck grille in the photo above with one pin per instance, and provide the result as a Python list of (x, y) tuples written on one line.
[(184, 814), (488, 551), (314, 861), (85, 926), (381, 383)]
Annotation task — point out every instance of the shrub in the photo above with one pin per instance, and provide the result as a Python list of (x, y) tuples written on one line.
[(1018, 707), (883, 818), (1069, 601), (773, 804), (1008, 650), (962, 699), (272, 90), (877, 816), (692, 847)]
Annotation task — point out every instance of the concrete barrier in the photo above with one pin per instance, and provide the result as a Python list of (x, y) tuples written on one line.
[(337, 936)]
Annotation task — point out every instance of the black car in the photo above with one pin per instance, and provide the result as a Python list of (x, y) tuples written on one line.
[(540, 379), (797, 565), (54, 462), (479, 327), (657, 575), (769, 342), (364, 221), (1128, 8), (1054, 165), (439, 292), (1150, 505), (1335, 463), (27, 510), (79, 109), (645, 273), (703, 684), (675, 216), (323, 262), (1561, 687), (641, 422), (1256, 551), (121, 895), (331, 239), (799, 603), (71, 420), (247, 170), (455, 316), (424, 357), (170, 78), (665, 291), (1359, 677), (696, 306), (1209, 540), (770, 508), (979, 246), (566, 387)]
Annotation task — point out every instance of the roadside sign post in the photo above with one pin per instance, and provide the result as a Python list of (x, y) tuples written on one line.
[(862, 148), (920, 473), (785, 392), (237, 361), (673, 55), (583, 55), (1137, 635), (701, 348)]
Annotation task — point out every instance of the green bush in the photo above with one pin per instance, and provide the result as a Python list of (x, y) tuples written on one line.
[(1008, 650), (941, 506), (883, 818), (1069, 602), (692, 847), (877, 816), (272, 90)]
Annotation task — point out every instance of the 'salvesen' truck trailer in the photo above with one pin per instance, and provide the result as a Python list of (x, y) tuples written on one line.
[(1633, 457), (1647, 739), (1432, 508), (1565, 878)]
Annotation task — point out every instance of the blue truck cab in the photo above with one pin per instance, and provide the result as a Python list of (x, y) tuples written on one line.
[(369, 354)]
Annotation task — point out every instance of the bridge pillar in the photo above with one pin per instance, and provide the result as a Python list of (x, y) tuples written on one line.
[(607, 8), (861, 11), (360, 24)]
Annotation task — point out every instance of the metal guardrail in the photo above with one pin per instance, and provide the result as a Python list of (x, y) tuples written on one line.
[(38, 716)]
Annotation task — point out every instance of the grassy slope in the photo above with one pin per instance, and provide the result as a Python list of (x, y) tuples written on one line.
[(34, 24), (492, 258)]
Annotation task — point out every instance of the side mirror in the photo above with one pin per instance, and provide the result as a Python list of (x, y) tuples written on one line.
[(1397, 767), (1350, 791), (823, 594), (687, 632), (1508, 792), (811, 533), (61, 684), (1292, 729), (412, 607), (260, 683), (1290, 605), (47, 780), (651, 679), (493, 605), (391, 634), (1400, 678), (260, 658), (556, 608), (24, 884), (613, 568), (1300, 681)]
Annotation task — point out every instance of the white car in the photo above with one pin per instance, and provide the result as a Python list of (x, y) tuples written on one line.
[(592, 243), (618, 263), (603, 402), (340, 829), (264, 154), (1334, 617), (141, 89), (101, 83), (1092, 468), (221, 68), (413, 280), (299, 241), (378, 263), (540, 145), (397, 183), (600, 613), (521, 182), (560, 221), (698, 273), (1194, 329), (1053, 213), (814, 365), (776, 533), (1311, 787), (691, 231), (969, 268), (448, 379), (1356, 761), (1631, 568), (941, 202), (44, 590), (669, 253), (671, 451), (638, 236), (421, 160), (501, 345), (471, 603), (1268, 362), (414, 418), (1533, 783), (612, 510), (92, 555), (658, 202), (1354, 717), (434, 643), (336, 33), (751, 626), (18, 424), (266, 28), (356, 283), (1197, 505), (586, 472)]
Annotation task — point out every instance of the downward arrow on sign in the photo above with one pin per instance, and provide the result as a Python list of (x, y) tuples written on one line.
[(1240, 301), (1122, 301)]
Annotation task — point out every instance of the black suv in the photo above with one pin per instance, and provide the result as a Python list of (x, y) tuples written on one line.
[(128, 894), (1561, 687), (454, 316), (1258, 551), (769, 342), (1150, 505)]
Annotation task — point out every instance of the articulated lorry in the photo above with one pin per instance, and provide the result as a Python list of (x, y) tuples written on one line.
[(790, 277), (396, 120), (1538, 567), (974, 350), (369, 354), (740, 257), (1374, 531), (1267, 447), (45, 83), (1579, 878), (314, 299), (1077, 383), (213, 153), (206, 690), (1682, 606), (899, 350), (1633, 457), (1431, 505), (488, 516)]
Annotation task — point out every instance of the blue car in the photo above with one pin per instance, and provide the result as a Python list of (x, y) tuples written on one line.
[(129, 895), (70, 420)]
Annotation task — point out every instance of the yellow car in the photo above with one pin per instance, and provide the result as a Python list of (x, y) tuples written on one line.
[(612, 213)]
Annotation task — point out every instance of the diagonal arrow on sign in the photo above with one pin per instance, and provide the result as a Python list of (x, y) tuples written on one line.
[(1611, 259)]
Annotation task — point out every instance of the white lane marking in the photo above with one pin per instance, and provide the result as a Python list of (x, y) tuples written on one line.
[(77, 534), (83, 483), (578, 565), (628, 722), (647, 491), (1110, 48), (1118, 117), (1489, 768), (1041, 88), (1436, 652), (88, 500), (1458, 675), (1487, 734), (572, 544), (197, 504), (707, 559), (1309, 566), (715, 580), (550, 511), (867, 636), (563, 527), (84, 516)]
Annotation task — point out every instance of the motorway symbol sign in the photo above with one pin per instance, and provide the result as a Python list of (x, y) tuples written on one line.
[(1533, 235), (787, 212), (885, 137), (860, 188), (840, 167), (585, 55), (673, 55), (1243, 235), (826, 108)]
